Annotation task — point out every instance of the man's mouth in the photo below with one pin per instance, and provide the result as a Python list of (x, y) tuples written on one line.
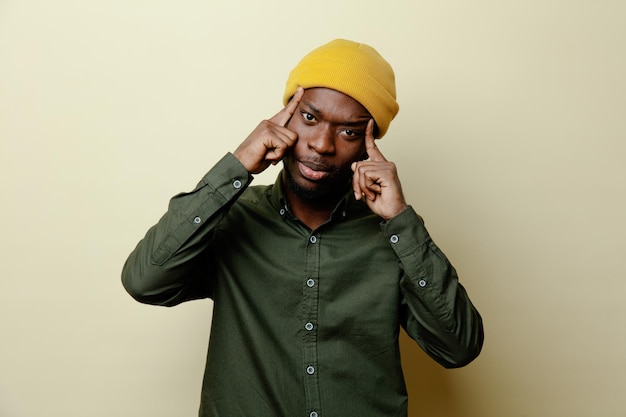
[(312, 172)]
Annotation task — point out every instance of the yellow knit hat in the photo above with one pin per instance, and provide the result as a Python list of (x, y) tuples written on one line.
[(354, 69)]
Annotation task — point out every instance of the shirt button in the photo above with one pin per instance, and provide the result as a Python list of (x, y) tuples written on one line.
[(422, 283), (313, 414), (394, 239), (310, 370), (282, 211), (237, 184), (310, 282), (309, 326), (197, 220), (312, 239)]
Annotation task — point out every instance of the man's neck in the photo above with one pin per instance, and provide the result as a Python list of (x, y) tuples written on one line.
[(313, 214)]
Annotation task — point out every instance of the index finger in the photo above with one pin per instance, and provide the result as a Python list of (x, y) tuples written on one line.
[(282, 117), (370, 146)]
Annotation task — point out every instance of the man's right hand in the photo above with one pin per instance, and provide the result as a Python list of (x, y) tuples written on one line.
[(268, 142)]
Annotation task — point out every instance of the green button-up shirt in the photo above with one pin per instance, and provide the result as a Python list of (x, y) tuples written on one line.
[(305, 322)]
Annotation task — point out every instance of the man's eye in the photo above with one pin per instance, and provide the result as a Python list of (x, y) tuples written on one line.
[(351, 133), (308, 116)]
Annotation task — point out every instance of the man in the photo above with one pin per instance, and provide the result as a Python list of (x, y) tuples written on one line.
[(313, 276)]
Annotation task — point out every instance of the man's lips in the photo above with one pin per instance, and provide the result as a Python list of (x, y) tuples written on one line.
[(312, 172)]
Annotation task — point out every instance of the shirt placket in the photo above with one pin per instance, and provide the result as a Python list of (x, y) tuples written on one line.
[(310, 306)]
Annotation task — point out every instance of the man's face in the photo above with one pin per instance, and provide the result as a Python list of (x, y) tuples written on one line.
[(331, 136)]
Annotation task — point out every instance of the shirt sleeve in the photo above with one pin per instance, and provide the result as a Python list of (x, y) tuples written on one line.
[(437, 312), (170, 264)]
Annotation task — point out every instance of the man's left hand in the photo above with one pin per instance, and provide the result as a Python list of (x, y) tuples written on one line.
[(376, 180)]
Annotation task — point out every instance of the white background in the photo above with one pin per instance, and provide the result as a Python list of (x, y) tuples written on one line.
[(510, 142)]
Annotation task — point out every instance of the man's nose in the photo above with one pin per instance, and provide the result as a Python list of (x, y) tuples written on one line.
[(323, 141)]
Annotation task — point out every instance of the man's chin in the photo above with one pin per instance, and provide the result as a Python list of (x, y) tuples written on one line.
[(324, 191)]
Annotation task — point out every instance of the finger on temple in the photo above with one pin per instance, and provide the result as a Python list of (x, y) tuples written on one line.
[(370, 146), (282, 117)]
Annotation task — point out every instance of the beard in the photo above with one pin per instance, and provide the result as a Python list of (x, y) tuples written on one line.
[(338, 184)]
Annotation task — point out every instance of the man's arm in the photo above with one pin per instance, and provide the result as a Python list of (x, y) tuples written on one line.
[(170, 264), (437, 312)]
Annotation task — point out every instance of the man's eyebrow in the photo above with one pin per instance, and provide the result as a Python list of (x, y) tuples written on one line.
[(356, 123), (312, 107), (317, 111)]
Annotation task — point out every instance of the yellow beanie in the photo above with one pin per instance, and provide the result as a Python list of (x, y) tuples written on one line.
[(354, 69)]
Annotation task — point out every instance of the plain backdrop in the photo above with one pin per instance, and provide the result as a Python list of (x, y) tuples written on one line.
[(510, 142)]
